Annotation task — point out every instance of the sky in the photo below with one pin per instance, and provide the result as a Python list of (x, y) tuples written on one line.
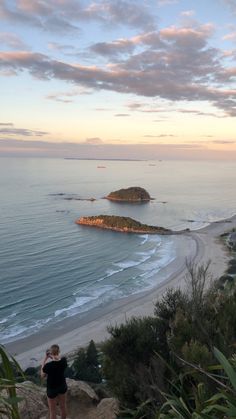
[(138, 79)]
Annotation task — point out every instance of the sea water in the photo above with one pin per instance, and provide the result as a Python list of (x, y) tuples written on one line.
[(52, 268)]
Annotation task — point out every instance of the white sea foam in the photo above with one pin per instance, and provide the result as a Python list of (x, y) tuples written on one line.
[(109, 273), (6, 319), (19, 331), (76, 306), (144, 237)]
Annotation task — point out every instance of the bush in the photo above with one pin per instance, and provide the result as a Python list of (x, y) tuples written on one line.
[(185, 328), (132, 346), (86, 365)]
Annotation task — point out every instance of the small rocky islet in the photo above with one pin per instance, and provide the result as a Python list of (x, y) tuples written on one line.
[(122, 224), (132, 194)]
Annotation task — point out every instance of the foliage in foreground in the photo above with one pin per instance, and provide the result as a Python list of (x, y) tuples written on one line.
[(222, 404), (9, 368), (183, 332)]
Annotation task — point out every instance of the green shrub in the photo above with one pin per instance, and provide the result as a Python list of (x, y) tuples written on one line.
[(86, 365), (131, 347)]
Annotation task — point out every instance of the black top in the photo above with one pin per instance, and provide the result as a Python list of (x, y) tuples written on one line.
[(55, 373)]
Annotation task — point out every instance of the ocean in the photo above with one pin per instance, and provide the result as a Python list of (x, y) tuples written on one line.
[(51, 268)]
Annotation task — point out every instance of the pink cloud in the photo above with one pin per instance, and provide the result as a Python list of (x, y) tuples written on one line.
[(11, 40), (230, 37), (174, 64)]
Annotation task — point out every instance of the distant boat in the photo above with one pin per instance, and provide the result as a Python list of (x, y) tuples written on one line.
[(151, 164), (101, 167)]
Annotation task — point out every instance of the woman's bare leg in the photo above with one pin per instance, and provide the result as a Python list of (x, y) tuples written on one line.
[(52, 403), (62, 403)]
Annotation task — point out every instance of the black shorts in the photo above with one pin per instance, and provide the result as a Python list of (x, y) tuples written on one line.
[(52, 393)]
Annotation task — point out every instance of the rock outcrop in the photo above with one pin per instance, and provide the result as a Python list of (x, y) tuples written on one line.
[(132, 194), (82, 402), (232, 241), (122, 224)]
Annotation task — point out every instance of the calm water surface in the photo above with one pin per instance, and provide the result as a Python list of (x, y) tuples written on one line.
[(51, 268)]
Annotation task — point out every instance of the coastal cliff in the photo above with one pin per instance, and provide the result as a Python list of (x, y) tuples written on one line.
[(132, 194), (122, 224)]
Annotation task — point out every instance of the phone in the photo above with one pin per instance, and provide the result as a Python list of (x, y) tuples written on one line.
[(48, 353)]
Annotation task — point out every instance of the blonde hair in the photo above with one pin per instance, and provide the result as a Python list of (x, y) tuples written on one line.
[(55, 349)]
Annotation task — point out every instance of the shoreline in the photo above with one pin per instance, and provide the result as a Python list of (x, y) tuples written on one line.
[(77, 331)]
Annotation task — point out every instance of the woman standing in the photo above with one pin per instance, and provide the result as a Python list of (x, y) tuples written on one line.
[(53, 367)]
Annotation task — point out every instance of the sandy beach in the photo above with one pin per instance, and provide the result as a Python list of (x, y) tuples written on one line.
[(200, 246)]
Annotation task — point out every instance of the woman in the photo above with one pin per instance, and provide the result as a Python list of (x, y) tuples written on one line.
[(53, 367)]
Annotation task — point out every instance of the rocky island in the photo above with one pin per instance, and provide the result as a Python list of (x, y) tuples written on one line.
[(132, 194), (123, 224)]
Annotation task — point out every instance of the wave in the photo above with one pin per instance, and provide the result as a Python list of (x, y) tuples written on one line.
[(145, 237), (6, 319), (81, 301), (20, 331), (109, 273)]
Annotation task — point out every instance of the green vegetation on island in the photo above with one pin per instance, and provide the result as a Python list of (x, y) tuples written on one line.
[(123, 224), (132, 194)]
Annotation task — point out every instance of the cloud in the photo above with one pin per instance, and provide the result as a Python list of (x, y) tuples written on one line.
[(231, 4), (63, 96), (58, 99), (6, 124), (230, 37), (167, 2), (130, 13), (224, 141), (21, 131), (159, 136), (188, 13), (135, 106), (146, 108), (122, 114), (175, 64), (10, 147), (121, 46), (12, 41), (55, 46), (63, 16), (94, 141), (39, 14), (200, 113), (127, 46)]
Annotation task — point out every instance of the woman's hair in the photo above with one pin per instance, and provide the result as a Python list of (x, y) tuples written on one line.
[(55, 349)]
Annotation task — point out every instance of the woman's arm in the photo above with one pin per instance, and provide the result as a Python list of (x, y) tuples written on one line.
[(42, 373)]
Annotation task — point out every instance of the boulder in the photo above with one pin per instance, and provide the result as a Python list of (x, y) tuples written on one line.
[(81, 391), (107, 409), (34, 402), (82, 402)]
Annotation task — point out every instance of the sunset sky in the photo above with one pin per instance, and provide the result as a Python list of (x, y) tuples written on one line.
[(140, 79)]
